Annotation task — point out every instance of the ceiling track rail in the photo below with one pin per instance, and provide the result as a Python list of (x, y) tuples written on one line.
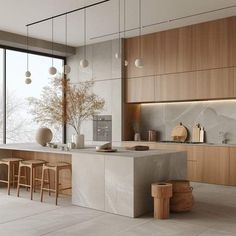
[(68, 12), (164, 22)]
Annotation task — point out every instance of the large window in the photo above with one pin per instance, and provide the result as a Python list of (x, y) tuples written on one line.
[(1, 95), (20, 124)]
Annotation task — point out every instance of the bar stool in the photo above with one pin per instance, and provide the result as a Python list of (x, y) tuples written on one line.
[(32, 165), (11, 163), (56, 167)]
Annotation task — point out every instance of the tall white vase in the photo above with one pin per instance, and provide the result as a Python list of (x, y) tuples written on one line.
[(79, 140)]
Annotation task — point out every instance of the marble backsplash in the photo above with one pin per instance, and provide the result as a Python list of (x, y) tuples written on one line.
[(217, 117)]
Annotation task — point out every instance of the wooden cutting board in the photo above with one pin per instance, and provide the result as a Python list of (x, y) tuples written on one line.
[(196, 133), (179, 133)]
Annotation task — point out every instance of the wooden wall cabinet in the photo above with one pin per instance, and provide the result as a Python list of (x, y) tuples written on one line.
[(195, 62), (140, 89)]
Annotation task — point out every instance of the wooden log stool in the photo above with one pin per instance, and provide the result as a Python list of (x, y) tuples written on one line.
[(12, 166), (31, 165), (161, 192), (57, 168)]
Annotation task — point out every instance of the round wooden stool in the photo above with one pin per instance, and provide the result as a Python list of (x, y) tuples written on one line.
[(56, 167), (161, 192), (32, 165), (12, 165)]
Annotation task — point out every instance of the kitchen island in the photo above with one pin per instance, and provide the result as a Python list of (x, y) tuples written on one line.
[(118, 182)]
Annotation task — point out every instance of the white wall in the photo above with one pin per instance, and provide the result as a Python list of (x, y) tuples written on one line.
[(105, 70)]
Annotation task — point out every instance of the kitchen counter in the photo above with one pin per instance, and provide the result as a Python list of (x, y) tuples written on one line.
[(118, 182), (143, 142)]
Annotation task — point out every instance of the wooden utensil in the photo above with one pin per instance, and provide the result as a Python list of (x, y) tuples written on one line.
[(179, 133)]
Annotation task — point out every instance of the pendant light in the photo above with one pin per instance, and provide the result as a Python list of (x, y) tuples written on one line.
[(84, 62), (66, 67), (139, 63), (125, 61), (52, 70), (27, 73), (117, 55)]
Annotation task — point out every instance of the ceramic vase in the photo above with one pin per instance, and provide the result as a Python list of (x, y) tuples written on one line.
[(78, 139), (43, 136), (137, 137)]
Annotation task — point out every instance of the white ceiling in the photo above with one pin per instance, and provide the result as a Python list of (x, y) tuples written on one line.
[(103, 19)]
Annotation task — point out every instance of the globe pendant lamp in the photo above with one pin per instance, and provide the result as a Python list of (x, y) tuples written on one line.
[(139, 62), (118, 54), (66, 67), (52, 70), (28, 79), (84, 62)]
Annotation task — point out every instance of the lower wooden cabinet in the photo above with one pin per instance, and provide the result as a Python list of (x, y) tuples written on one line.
[(232, 166), (206, 164), (213, 166)]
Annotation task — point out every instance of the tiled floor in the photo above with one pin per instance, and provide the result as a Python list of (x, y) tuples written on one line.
[(214, 214)]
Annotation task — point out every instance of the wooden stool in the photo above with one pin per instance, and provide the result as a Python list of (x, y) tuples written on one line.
[(162, 192), (56, 167), (32, 165), (11, 163)]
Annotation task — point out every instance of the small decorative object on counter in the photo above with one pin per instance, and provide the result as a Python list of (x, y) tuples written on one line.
[(107, 147), (43, 136), (196, 133), (182, 199), (79, 140), (137, 137), (136, 127), (138, 148), (202, 135), (152, 135), (71, 145), (161, 192), (179, 133)]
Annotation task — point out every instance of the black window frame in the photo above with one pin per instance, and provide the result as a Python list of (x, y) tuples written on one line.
[(5, 48)]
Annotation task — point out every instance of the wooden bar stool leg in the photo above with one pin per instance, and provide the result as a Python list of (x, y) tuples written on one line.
[(13, 175), (31, 182), (56, 184), (42, 186), (9, 178), (34, 185), (18, 183), (49, 183)]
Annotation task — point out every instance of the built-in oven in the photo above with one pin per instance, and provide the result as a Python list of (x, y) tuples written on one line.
[(102, 128)]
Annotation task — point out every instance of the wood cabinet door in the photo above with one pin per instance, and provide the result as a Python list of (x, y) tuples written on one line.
[(217, 83), (147, 53), (176, 87), (232, 167), (214, 165), (140, 89), (211, 44)]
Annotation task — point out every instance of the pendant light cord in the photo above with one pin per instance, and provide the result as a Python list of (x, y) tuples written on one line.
[(66, 34), (52, 40), (27, 47), (85, 34), (119, 26), (140, 31)]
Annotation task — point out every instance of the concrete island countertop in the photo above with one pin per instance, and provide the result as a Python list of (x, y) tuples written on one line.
[(121, 151)]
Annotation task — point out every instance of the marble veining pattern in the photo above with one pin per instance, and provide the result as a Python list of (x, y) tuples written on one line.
[(214, 116)]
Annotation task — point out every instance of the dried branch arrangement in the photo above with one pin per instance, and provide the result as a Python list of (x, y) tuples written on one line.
[(77, 104)]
